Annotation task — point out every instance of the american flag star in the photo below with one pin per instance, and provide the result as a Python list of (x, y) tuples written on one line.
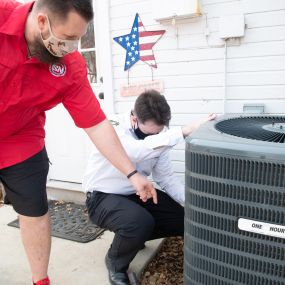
[(139, 43)]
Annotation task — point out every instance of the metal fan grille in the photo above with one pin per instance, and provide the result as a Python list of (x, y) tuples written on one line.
[(271, 129)]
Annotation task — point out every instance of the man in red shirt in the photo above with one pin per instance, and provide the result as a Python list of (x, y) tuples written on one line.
[(39, 68)]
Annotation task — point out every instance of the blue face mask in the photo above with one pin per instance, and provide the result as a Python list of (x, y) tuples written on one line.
[(140, 134)]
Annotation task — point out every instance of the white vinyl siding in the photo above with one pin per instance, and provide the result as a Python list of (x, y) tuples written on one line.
[(193, 68)]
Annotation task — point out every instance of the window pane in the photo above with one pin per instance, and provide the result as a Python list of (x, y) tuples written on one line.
[(90, 58), (88, 40)]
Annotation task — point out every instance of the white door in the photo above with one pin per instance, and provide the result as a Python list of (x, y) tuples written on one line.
[(68, 146)]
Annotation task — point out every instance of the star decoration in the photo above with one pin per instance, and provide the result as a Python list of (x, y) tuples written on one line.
[(139, 44)]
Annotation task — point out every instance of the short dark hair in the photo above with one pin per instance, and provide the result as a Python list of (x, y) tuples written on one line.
[(62, 7), (152, 106)]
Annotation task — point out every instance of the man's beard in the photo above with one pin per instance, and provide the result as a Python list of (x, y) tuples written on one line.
[(42, 54)]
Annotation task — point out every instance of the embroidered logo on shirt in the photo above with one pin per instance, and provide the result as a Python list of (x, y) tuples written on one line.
[(57, 69)]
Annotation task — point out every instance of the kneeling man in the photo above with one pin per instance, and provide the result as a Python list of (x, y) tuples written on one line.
[(111, 199)]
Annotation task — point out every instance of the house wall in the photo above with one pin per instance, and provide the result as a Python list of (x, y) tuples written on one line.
[(193, 66)]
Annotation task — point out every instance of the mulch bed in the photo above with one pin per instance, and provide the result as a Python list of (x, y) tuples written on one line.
[(167, 266)]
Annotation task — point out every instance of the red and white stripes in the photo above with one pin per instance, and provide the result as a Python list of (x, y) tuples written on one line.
[(147, 39)]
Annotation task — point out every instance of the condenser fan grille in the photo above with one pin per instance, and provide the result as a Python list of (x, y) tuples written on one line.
[(270, 129)]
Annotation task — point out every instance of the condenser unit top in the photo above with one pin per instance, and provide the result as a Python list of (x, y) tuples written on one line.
[(261, 136), (270, 129)]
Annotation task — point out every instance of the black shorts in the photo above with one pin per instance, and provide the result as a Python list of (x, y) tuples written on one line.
[(25, 185)]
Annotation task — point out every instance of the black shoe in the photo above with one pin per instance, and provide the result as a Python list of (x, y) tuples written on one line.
[(116, 278)]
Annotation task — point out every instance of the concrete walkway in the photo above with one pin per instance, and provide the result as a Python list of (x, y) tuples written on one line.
[(71, 263)]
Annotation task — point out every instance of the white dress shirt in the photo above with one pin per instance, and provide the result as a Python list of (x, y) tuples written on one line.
[(150, 157)]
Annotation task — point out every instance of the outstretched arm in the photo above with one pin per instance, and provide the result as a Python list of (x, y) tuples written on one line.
[(152, 146), (187, 130)]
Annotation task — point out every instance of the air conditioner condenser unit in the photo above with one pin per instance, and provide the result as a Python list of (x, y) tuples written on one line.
[(235, 202)]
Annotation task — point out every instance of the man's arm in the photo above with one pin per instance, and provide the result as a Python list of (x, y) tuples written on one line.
[(187, 130), (152, 146), (107, 142), (165, 177), (163, 173)]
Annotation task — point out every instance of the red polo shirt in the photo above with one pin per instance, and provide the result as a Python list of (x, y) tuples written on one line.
[(28, 88)]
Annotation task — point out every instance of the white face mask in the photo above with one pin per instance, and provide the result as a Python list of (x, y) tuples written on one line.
[(58, 47)]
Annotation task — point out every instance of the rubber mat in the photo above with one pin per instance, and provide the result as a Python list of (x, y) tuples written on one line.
[(70, 221)]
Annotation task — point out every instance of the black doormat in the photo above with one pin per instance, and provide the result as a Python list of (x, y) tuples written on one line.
[(70, 221)]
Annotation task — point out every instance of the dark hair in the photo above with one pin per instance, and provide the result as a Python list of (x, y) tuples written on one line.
[(151, 105), (62, 7)]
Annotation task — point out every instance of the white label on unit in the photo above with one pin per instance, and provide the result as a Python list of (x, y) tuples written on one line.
[(261, 228)]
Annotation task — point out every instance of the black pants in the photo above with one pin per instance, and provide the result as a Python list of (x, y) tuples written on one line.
[(134, 222)]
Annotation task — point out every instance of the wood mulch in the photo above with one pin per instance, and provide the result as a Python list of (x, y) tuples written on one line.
[(167, 266)]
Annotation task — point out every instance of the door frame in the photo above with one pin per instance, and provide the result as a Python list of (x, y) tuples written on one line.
[(103, 42), (105, 69)]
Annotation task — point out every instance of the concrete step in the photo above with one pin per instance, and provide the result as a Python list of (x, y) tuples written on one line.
[(66, 191)]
